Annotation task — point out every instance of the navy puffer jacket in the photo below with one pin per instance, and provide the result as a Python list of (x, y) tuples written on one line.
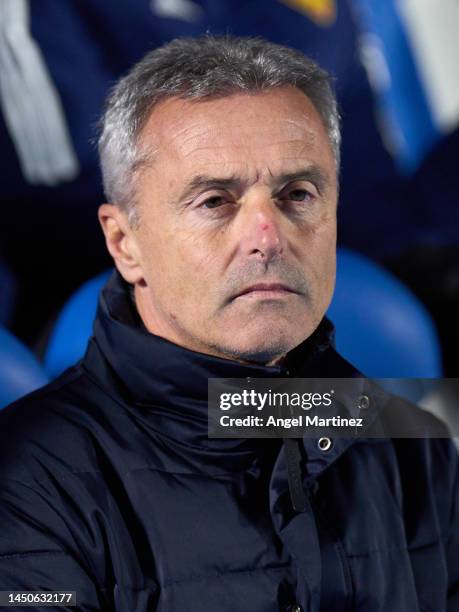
[(110, 487)]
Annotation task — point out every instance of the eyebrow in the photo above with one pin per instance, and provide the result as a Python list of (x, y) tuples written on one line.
[(313, 174), (201, 182)]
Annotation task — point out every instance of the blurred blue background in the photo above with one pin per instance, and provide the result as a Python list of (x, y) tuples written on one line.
[(396, 70)]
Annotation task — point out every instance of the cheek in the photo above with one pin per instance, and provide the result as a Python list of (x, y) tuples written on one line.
[(329, 276), (323, 255), (201, 253), (187, 272)]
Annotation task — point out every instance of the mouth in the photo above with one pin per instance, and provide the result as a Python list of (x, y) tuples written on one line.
[(266, 291)]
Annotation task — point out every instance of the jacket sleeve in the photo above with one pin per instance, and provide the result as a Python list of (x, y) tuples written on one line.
[(37, 551), (452, 544)]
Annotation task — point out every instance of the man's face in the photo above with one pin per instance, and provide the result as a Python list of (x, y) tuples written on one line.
[(241, 193)]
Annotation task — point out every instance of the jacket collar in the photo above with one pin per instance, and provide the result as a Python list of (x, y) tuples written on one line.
[(165, 386), (155, 370)]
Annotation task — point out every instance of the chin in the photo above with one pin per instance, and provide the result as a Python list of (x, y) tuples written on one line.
[(263, 347)]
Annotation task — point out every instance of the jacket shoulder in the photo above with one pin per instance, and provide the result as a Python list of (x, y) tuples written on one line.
[(52, 430)]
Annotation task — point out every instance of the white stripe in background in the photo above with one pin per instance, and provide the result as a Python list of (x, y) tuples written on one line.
[(432, 28), (30, 102), (185, 10)]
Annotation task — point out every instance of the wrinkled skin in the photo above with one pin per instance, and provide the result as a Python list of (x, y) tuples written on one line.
[(218, 214)]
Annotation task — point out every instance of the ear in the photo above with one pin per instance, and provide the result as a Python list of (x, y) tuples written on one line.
[(121, 242)]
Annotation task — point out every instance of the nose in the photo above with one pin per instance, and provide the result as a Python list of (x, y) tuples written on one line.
[(260, 231)]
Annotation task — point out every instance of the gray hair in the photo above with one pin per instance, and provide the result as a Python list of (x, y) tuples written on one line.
[(199, 68)]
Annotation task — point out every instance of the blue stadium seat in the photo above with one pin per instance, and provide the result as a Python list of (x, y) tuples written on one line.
[(73, 327), (381, 327), (20, 372)]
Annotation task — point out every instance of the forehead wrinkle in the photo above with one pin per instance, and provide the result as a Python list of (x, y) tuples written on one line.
[(303, 147), (185, 135), (212, 148), (196, 131), (191, 128), (303, 126)]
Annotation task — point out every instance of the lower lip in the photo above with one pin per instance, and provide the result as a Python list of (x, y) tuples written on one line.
[(266, 294)]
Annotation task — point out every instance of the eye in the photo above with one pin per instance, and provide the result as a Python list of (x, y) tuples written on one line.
[(299, 195), (213, 202)]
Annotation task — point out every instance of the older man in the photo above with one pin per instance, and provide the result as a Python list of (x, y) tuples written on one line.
[(220, 159)]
